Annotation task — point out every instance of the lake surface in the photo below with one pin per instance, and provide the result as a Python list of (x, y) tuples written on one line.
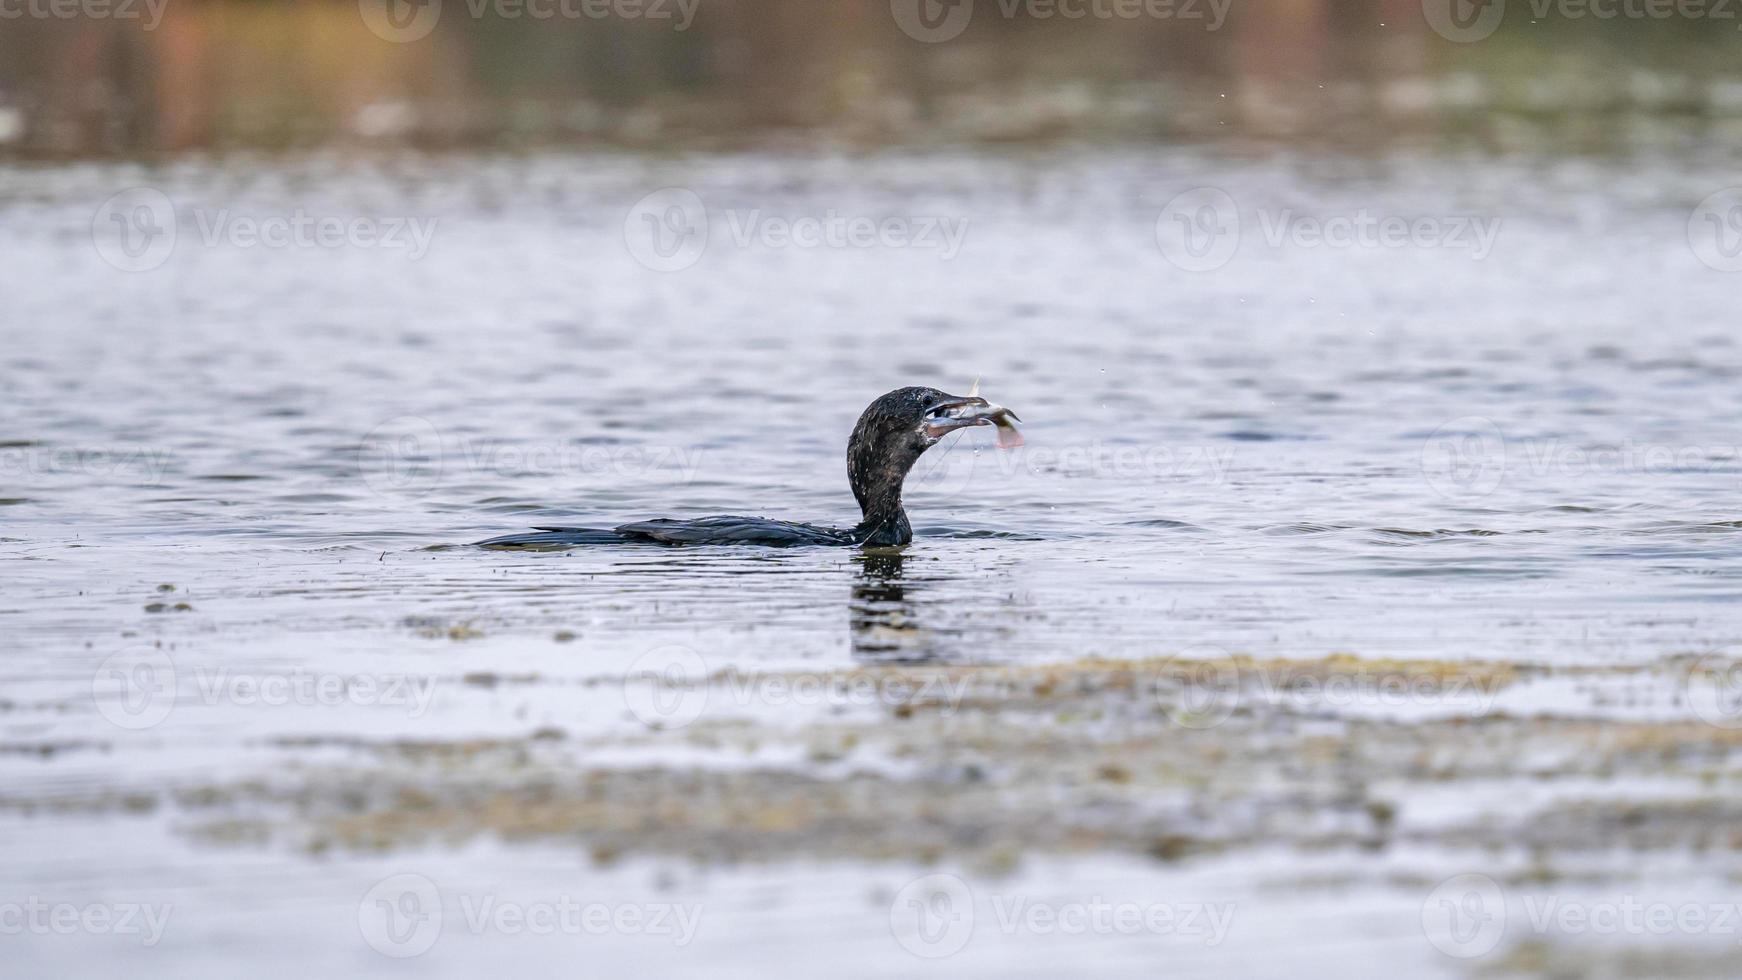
[(1417, 409)]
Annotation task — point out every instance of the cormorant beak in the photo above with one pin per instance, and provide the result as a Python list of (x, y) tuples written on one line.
[(961, 412)]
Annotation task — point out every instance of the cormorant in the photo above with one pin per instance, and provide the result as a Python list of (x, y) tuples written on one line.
[(890, 436)]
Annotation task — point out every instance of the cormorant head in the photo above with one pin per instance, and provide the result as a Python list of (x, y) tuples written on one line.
[(892, 433)]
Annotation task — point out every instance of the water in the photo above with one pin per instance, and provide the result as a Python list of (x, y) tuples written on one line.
[(1521, 455)]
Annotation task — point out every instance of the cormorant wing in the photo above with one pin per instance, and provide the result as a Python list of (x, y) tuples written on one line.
[(703, 530), (735, 530)]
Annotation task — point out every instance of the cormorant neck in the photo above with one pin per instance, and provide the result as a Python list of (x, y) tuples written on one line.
[(878, 458), (884, 529)]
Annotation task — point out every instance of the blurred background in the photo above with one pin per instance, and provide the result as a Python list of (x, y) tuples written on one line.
[(465, 74)]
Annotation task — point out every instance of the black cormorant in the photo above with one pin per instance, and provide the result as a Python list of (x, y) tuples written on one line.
[(890, 436)]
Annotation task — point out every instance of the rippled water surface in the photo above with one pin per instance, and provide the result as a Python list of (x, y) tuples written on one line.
[(1233, 457), (271, 461)]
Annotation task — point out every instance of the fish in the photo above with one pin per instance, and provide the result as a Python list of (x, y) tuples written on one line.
[(989, 413)]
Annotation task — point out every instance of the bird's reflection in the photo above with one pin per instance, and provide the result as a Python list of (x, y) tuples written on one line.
[(883, 617)]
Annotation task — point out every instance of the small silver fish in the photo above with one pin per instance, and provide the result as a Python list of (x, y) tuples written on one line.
[(987, 413)]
